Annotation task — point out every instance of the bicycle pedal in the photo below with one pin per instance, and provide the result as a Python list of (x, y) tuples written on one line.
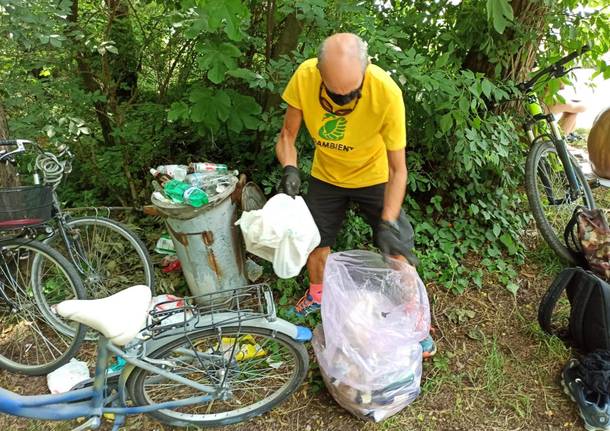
[(92, 423)]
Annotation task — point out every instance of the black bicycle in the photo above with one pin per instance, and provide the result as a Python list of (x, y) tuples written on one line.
[(106, 253), (33, 278), (554, 183)]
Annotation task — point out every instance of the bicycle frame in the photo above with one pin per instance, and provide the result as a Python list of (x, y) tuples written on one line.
[(94, 401), (540, 125), (74, 247)]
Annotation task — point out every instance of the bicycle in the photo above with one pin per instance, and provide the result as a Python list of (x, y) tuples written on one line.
[(554, 183), (203, 361), (106, 253), (33, 278)]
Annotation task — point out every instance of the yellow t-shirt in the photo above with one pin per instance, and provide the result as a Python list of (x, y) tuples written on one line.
[(350, 150)]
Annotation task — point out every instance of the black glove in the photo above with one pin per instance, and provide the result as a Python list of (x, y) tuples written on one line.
[(396, 238), (291, 181)]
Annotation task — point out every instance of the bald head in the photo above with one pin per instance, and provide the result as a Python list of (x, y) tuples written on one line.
[(342, 60)]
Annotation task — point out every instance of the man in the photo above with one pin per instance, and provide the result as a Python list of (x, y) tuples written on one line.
[(355, 115)]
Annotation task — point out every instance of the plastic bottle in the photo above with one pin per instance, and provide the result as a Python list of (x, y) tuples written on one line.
[(208, 167), (197, 179), (177, 172), (160, 176), (212, 183), (181, 192)]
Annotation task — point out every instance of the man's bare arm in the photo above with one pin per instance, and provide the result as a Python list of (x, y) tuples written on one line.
[(285, 149)]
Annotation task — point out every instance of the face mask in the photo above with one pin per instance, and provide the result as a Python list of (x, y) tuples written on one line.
[(343, 99)]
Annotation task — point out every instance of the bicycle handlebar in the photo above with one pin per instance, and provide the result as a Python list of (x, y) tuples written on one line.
[(555, 69), (19, 143)]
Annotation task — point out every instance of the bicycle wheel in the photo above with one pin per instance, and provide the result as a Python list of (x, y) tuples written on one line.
[(33, 278), (255, 381), (109, 256), (548, 192)]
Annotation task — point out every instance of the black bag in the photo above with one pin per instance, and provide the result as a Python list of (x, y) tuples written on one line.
[(589, 297)]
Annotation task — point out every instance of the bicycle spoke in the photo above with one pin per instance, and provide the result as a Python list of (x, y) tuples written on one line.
[(247, 379), (32, 335)]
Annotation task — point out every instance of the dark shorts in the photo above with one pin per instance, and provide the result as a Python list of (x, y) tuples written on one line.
[(328, 203)]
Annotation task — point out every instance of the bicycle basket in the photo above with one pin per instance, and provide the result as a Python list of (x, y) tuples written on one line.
[(25, 206)]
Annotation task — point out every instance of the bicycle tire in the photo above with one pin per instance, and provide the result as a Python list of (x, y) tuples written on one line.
[(92, 286), (136, 383), (48, 325), (553, 237)]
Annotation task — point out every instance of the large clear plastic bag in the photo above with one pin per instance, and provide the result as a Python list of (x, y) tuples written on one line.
[(374, 314)]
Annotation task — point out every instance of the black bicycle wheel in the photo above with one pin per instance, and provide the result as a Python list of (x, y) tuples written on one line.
[(269, 369), (34, 277), (548, 193), (109, 256)]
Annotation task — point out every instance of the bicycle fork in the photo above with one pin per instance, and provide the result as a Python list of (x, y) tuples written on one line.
[(564, 156)]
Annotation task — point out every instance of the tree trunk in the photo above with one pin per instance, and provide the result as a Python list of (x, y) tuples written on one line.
[(124, 65), (89, 83), (528, 14), (8, 177), (286, 43)]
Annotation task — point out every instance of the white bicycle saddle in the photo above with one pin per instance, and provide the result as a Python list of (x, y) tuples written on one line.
[(119, 317)]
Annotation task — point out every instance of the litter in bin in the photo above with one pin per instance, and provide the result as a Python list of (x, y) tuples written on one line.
[(194, 184)]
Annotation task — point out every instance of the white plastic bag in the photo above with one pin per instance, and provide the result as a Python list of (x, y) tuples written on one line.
[(67, 376), (374, 315), (282, 232)]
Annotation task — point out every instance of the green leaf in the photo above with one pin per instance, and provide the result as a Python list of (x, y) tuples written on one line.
[(446, 122), (476, 334), (487, 88), (244, 113), (245, 74), (231, 13), (512, 288), (500, 13), (507, 240), (218, 59), (197, 25), (496, 229), (177, 111), (223, 105), (205, 108)]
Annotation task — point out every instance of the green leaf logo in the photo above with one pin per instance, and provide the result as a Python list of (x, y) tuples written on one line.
[(334, 128)]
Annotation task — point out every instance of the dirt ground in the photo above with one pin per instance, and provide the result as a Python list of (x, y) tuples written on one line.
[(495, 369)]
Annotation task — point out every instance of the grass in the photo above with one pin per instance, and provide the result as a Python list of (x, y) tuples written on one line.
[(494, 368)]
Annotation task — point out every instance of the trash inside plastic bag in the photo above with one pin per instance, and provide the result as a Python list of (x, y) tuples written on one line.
[(373, 317), (67, 376), (282, 232)]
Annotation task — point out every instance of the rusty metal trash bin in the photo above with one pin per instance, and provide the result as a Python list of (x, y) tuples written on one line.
[(208, 244)]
